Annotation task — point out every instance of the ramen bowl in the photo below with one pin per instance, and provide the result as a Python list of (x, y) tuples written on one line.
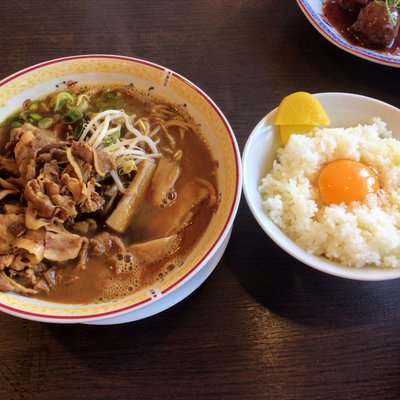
[(42, 79), (344, 110)]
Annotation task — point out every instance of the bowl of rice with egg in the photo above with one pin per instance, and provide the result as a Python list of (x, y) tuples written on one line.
[(292, 190)]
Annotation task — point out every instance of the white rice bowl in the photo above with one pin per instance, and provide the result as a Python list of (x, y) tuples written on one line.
[(357, 235)]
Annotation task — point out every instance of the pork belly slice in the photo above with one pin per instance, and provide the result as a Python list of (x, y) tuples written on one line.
[(29, 141), (61, 245), (10, 285)]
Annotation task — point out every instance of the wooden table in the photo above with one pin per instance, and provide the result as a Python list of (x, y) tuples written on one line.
[(263, 326)]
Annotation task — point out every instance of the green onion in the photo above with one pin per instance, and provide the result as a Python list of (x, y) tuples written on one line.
[(71, 117), (389, 4), (107, 142), (25, 115), (111, 139), (8, 121), (62, 99), (82, 102), (109, 95), (81, 107), (15, 124), (45, 123), (107, 100), (35, 116), (34, 105), (78, 129)]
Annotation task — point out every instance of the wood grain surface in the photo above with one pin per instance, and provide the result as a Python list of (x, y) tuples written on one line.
[(263, 326)]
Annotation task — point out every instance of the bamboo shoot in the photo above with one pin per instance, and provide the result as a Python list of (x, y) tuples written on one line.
[(132, 199)]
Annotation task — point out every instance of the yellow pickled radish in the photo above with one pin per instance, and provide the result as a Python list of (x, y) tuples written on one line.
[(287, 130), (301, 108), (298, 113)]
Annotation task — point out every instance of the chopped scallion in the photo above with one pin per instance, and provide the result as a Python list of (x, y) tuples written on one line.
[(15, 124), (62, 99), (82, 106), (25, 115), (78, 128), (9, 121), (45, 123), (70, 117), (33, 105), (111, 139), (35, 116)]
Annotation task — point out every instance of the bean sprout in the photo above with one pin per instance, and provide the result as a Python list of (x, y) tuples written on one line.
[(103, 133)]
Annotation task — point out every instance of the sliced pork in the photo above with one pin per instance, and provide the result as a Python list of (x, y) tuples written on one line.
[(48, 180)]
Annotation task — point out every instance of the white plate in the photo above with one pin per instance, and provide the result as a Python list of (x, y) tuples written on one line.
[(312, 9)]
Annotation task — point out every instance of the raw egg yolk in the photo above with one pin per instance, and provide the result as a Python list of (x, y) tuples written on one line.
[(344, 181)]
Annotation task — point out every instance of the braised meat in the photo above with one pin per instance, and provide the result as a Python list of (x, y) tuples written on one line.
[(371, 24), (54, 180), (374, 26), (353, 5)]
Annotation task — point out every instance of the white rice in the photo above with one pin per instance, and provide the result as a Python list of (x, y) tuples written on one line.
[(356, 235)]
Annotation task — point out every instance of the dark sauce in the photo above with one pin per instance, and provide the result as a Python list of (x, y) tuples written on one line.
[(342, 19)]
